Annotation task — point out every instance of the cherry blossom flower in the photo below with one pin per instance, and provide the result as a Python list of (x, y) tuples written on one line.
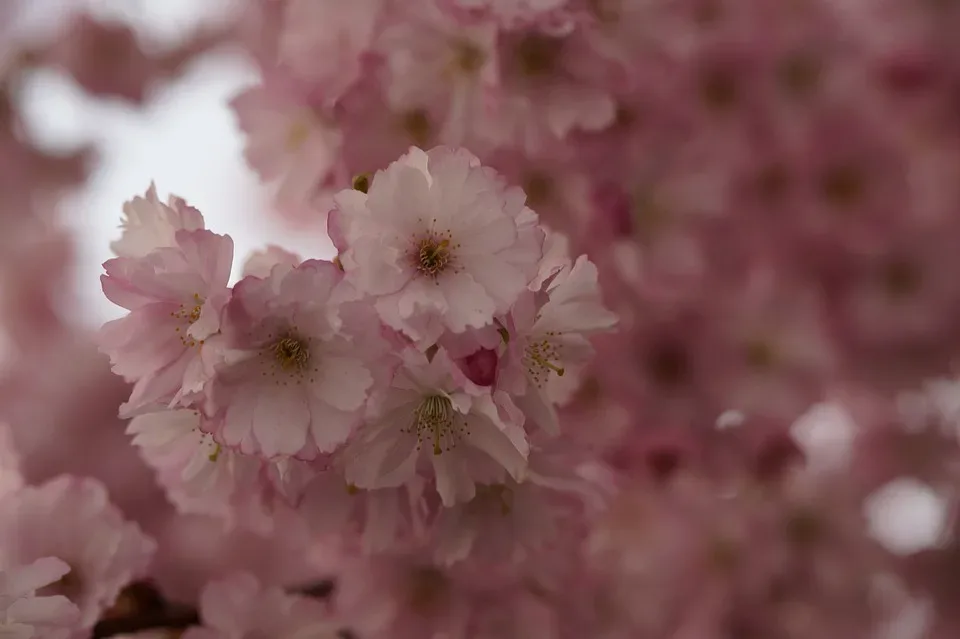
[(553, 84), (450, 249), (546, 335), (430, 411), (291, 139), (102, 551), (175, 296), (150, 224), (296, 371), (238, 606), (368, 521), (24, 614), (323, 41), (512, 520), (199, 475), (261, 263), (440, 64)]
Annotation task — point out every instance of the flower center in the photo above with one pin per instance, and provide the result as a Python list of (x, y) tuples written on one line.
[(542, 358), (843, 186), (297, 134), (433, 254), (436, 421), (468, 57), (291, 353), (416, 124), (188, 314), (538, 55)]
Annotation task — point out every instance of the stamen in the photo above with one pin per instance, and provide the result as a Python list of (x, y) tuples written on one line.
[(188, 315), (436, 421), (541, 359), (433, 253), (433, 256), (291, 353), (288, 355)]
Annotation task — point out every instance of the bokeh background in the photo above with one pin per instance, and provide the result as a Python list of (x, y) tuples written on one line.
[(185, 139)]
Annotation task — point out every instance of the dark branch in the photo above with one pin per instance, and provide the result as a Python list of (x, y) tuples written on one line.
[(143, 608)]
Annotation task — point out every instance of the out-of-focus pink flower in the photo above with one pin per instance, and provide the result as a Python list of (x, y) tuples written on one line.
[(513, 520), (441, 65), (149, 224), (794, 561), (291, 138), (429, 411), (323, 42), (367, 521), (238, 606), (261, 263), (23, 614), (35, 264), (175, 296), (297, 366), (199, 475), (552, 85), (73, 520), (278, 553), (439, 241)]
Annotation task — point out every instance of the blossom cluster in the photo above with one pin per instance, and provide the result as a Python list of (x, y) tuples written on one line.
[(403, 395), (641, 324)]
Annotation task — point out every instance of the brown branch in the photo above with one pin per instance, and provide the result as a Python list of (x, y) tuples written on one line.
[(141, 607)]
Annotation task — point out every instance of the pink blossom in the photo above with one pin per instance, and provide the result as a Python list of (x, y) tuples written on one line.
[(175, 296), (451, 246), (431, 411), (323, 42), (238, 606), (547, 339), (150, 224), (260, 263), (512, 520), (23, 614), (553, 84), (368, 521), (297, 369), (290, 138), (374, 133), (436, 62), (72, 519), (407, 596), (199, 475)]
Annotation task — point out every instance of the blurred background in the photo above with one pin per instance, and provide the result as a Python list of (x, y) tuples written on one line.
[(185, 139)]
